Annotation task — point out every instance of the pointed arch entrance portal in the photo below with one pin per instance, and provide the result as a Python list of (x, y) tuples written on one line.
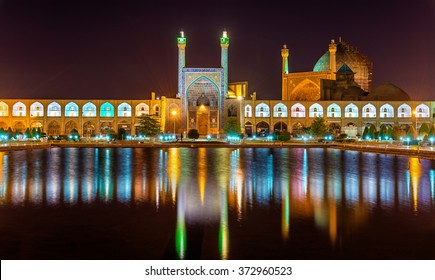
[(203, 106)]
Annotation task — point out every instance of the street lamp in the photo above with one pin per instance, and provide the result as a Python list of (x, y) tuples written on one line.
[(174, 114)]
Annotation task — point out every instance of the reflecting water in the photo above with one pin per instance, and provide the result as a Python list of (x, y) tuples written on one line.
[(215, 203)]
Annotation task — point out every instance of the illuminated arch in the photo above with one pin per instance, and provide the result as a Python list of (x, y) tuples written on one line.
[(142, 109), (369, 111), (36, 110), (89, 110), (262, 111), (71, 110), (351, 111), (124, 110), (156, 110), (298, 111), (107, 110), (19, 109), (316, 110), (248, 111), (280, 110), (422, 111), (4, 109), (306, 90), (333, 111), (386, 111), (54, 110), (404, 111)]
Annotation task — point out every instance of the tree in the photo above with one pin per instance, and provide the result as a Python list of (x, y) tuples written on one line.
[(365, 133), (232, 126), (382, 131), (389, 133), (318, 127), (424, 130), (193, 134), (432, 131), (10, 133), (148, 126), (28, 134), (398, 133), (412, 133), (34, 132), (372, 131), (283, 135)]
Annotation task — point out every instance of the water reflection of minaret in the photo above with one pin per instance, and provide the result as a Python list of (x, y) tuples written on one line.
[(415, 173), (173, 170), (223, 182), (432, 185), (4, 169), (202, 172), (180, 231)]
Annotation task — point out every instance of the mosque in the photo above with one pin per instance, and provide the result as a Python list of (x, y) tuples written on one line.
[(338, 88)]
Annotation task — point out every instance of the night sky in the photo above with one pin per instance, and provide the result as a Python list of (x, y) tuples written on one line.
[(126, 49)]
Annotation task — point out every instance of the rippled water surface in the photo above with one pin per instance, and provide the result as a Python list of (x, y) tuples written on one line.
[(215, 203)]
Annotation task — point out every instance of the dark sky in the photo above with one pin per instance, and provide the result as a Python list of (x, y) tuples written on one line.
[(126, 49)]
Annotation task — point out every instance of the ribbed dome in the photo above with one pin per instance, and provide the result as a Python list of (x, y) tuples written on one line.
[(349, 55), (388, 92)]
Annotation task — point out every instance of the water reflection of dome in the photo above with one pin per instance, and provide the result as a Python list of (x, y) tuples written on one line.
[(203, 100)]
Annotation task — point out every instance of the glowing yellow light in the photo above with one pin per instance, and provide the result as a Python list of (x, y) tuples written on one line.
[(240, 97), (415, 172), (174, 113), (202, 107)]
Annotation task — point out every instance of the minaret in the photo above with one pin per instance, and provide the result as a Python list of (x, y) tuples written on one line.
[(332, 58), (284, 55), (181, 41), (225, 42)]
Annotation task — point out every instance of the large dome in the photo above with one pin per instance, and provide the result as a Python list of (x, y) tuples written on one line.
[(347, 54), (388, 92)]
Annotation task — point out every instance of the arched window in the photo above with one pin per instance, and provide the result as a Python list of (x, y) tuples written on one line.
[(53, 110), (107, 110), (157, 110), (280, 111), (351, 111), (387, 111), (19, 110), (369, 111), (142, 109), (248, 111), (298, 111), (262, 111), (4, 109), (36, 110), (422, 111), (71, 110), (124, 110), (333, 111), (89, 110), (404, 111), (316, 110)]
